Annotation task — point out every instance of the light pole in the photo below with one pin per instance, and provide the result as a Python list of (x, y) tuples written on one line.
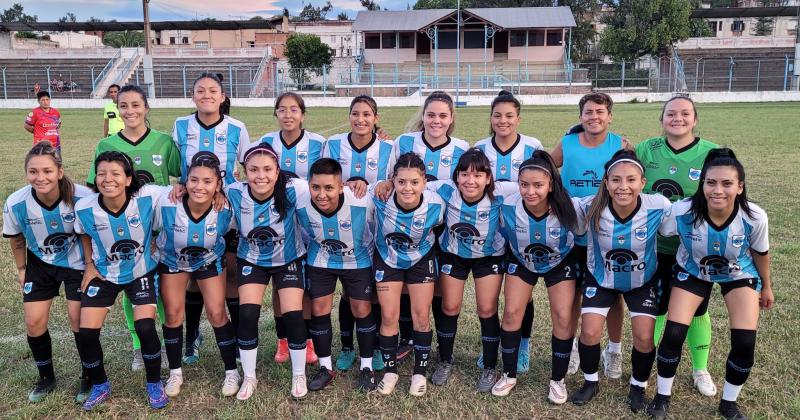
[(458, 49), (147, 61), (796, 70)]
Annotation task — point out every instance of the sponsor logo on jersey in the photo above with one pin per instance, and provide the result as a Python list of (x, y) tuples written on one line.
[(302, 156), (99, 227), (400, 241), (246, 270), (446, 160), (68, 217), (372, 164), (134, 220), (466, 234), (211, 229), (716, 266), (191, 254), (640, 233), (590, 292), (30, 221), (554, 232), (221, 138), (693, 237), (621, 260), (694, 174), (28, 287), (264, 236), (540, 254), (92, 291), (125, 250), (589, 179), (191, 137), (737, 241), (56, 243), (337, 248), (178, 228), (378, 275)]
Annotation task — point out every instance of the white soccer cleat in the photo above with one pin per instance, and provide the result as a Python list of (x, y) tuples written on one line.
[(558, 392), (704, 383), (173, 386), (230, 386), (387, 384), (299, 386), (419, 385), (504, 386), (247, 389), (612, 364)]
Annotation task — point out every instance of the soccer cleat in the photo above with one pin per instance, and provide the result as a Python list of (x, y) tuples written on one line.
[(43, 387), (704, 383), (321, 379), (193, 352), (311, 356), (574, 359), (658, 408), (156, 396), (99, 394), (612, 364), (377, 361), (486, 381), (366, 380), (299, 387), (637, 401), (387, 384), (588, 391), (558, 392), (282, 352), (83, 391), (419, 385), (504, 386), (523, 360), (230, 385), (345, 360), (404, 350), (442, 373), (174, 382), (138, 363), (248, 388), (729, 410)]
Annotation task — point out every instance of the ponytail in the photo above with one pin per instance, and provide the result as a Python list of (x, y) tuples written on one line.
[(66, 189), (603, 198), (722, 156)]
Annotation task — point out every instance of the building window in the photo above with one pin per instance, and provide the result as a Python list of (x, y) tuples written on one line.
[(517, 38), (372, 41), (555, 37), (475, 39), (737, 26), (157, 41), (536, 38), (349, 52), (251, 44), (407, 39), (201, 44), (447, 40), (185, 40), (333, 39), (712, 25), (171, 40), (388, 40)]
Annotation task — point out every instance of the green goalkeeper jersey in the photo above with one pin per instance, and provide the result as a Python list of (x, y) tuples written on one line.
[(155, 157), (673, 173)]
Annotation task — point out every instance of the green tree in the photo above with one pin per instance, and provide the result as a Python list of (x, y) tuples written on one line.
[(16, 13), (370, 5), (638, 28), (122, 39), (342, 16), (311, 13), (699, 28), (763, 26), (93, 19), (69, 17), (306, 54)]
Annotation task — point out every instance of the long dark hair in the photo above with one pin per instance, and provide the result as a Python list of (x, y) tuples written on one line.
[(141, 92), (280, 200), (477, 161), (225, 105), (66, 189), (722, 156), (502, 98), (558, 199), (127, 166), (603, 198), (297, 98), (207, 160)]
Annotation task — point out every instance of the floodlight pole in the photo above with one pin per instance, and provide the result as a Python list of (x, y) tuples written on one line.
[(796, 69), (147, 61), (458, 49)]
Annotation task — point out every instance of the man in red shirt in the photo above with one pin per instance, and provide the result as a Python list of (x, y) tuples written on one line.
[(44, 122)]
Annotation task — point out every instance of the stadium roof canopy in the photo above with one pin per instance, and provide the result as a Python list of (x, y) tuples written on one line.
[(502, 18), (736, 12), (138, 26)]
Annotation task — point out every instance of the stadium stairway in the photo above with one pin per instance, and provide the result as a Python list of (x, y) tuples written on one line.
[(20, 76), (172, 75)]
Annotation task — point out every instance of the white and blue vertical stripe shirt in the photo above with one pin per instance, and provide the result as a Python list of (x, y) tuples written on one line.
[(621, 254), (440, 161), (263, 239), (405, 236), (718, 253), (187, 243), (48, 230), (506, 164), (227, 139), (540, 243), (342, 239), (121, 241), (369, 163), (297, 158)]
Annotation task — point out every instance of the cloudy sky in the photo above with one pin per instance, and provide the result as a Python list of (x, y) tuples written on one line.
[(131, 10)]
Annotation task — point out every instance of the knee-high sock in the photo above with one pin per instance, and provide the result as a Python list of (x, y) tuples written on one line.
[(406, 322), (590, 360), (296, 336), (77, 336), (173, 342), (247, 337), (699, 341), (127, 308), (641, 365), (527, 321), (509, 347), (560, 353), (42, 350), (446, 330), (92, 355), (669, 355), (226, 341), (151, 348), (321, 335), (388, 346), (490, 340), (376, 317), (346, 323), (233, 312), (194, 310), (740, 361), (422, 351), (365, 333)]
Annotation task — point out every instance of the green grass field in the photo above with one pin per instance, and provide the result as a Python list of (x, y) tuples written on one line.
[(763, 135)]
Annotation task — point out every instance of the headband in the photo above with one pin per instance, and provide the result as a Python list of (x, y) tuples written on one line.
[(261, 148), (535, 166), (638, 165)]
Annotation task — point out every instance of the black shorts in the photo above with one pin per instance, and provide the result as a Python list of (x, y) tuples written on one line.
[(231, 241), (424, 271), (357, 282), (455, 266), (283, 276), (702, 288), (207, 271), (666, 273), (43, 280), (565, 270), (102, 293), (641, 301)]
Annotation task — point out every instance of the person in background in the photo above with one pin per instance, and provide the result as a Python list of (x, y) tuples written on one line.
[(44, 122), (112, 121)]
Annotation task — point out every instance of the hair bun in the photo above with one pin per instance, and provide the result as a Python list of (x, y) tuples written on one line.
[(505, 93)]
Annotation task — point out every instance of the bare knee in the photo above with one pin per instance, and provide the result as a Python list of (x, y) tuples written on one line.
[(487, 310), (512, 319), (562, 321), (217, 316), (590, 336), (421, 320), (643, 339)]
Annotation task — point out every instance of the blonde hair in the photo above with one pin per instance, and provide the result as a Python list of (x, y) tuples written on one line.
[(416, 123)]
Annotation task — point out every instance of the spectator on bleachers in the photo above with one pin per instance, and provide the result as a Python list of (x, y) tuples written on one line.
[(36, 88), (112, 122), (44, 122)]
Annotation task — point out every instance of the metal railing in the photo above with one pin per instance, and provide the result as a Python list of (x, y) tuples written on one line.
[(111, 63)]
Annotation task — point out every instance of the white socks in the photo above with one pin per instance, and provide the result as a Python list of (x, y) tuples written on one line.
[(324, 362), (731, 392), (664, 385), (298, 361), (614, 347), (591, 377), (249, 358), (366, 362)]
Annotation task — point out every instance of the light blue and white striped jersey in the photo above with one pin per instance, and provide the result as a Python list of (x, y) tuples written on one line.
[(621, 255), (440, 162), (121, 242), (341, 240), (540, 243), (472, 229), (185, 243), (506, 164), (297, 158), (263, 240), (370, 163), (226, 138), (718, 253), (49, 231), (405, 236)]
